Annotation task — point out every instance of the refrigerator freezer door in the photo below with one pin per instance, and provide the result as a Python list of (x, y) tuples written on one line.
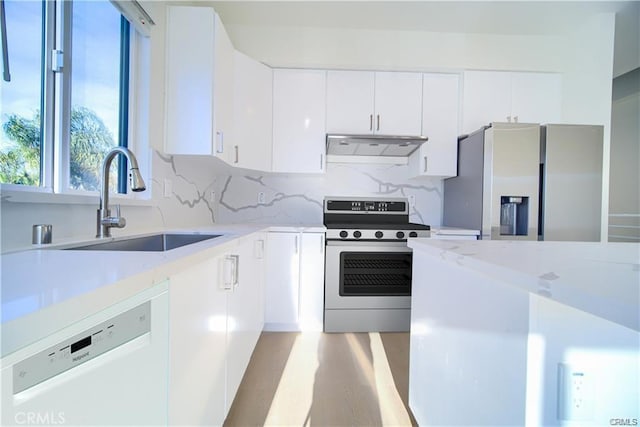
[(511, 168), (572, 182)]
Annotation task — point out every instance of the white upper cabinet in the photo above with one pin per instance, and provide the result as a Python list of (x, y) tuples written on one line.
[(398, 104), (438, 157), (363, 102), (500, 96), (189, 80), (223, 86), (198, 82), (299, 131), (536, 97), (350, 99), (253, 114)]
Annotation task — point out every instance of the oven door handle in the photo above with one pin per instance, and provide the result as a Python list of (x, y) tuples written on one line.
[(365, 244)]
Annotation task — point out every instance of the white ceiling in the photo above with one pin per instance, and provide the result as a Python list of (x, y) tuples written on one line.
[(495, 17)]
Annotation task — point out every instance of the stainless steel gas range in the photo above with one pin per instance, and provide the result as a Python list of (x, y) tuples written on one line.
[(368, 264)]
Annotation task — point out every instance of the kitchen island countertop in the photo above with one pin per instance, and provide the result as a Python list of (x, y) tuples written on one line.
[(602, 279)]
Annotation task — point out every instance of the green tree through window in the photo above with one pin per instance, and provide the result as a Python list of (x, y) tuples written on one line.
[(90, 142), (59, 121)]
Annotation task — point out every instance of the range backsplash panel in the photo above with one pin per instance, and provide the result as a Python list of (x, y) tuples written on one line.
[(297, 199)]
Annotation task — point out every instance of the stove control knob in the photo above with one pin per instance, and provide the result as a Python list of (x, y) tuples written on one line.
[(357, 234), (413, 234), (400, 235), (379, 234), (344, 234)]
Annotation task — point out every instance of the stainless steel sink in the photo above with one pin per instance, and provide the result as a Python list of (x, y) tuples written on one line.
[(153, 243)]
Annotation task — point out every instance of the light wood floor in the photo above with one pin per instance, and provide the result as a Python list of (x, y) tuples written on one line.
[(317, 379)]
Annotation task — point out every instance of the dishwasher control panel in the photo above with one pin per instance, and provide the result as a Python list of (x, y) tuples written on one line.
[(82, 347)]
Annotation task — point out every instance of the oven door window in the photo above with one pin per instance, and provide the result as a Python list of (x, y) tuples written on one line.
[(375, 273)]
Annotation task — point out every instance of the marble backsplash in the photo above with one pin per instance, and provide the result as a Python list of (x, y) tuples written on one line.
[(297, 199)]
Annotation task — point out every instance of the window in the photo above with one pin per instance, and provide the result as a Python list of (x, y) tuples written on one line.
[(20, 157), (66, 104)]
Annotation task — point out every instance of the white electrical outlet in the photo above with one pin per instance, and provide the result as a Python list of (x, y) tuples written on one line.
[(575, 393), (168, 188), (412, 201), (261, 198)]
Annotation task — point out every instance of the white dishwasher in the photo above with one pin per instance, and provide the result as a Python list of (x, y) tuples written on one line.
[(107, 369)]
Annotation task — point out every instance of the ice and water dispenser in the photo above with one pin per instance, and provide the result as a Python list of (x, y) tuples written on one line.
[(514, 215)]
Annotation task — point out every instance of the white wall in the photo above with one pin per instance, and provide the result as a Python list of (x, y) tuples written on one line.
[(627, 43), (396, 50)]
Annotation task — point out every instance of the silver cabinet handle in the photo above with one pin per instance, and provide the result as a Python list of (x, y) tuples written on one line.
[(220, 147), (321, 161), (227, 273), (258, 249), (321, 243), (297, 249), (370, 121), (425, 164), (378, 126), (236, 150), (231, 272), (236, 270)]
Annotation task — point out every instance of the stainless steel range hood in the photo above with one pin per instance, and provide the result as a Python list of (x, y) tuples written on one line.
[(372, 148)]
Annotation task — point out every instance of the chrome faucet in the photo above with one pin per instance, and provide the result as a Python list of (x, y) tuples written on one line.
[(104, 219)]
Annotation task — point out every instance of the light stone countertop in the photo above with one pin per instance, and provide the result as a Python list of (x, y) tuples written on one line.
[(44, 290), (453, 231), (599, 278)]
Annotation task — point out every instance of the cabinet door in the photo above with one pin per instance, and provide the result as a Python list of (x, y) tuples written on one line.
[(189, 70), (283, 275), (253, 118), (486, 99), (198, 318), (536, 97), (223, 92), (245, 311), (299, 120), (398, 103), (439, 155), (350, 99), (311, 282)]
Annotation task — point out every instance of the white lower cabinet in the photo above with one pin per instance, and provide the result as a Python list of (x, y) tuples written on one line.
[(245, 312), (215, 320), (294, 296), (198, 333)]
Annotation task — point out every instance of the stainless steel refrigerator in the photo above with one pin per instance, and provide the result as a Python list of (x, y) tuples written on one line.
[(523, 181)]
